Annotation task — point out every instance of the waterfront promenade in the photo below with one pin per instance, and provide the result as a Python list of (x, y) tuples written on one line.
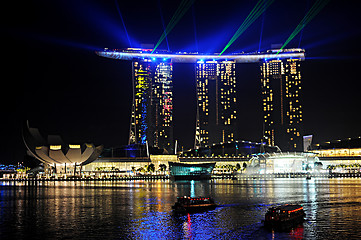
[(166, 176)]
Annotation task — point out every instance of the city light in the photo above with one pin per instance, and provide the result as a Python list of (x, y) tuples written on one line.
[(169, 118)]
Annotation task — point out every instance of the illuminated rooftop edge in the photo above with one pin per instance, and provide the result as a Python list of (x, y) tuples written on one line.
[(184, 57)]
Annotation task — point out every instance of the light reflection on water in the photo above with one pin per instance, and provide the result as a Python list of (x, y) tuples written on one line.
[(142, 209)]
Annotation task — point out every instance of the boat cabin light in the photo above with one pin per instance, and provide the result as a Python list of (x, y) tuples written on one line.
[(298, 209)]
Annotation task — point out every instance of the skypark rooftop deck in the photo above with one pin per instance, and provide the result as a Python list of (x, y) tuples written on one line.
[(184, 57)]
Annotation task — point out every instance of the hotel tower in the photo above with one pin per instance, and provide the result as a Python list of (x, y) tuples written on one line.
[(282, 109), (216, 102), (152, 110)]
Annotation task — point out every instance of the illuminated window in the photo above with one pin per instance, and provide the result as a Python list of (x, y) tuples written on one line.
[(55, 147), (74, 146)]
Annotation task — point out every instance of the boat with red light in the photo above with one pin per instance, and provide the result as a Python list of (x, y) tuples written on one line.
[(193, 204), (285, 216)]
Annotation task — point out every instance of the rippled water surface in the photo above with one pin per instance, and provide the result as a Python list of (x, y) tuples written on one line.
[(142, 209)]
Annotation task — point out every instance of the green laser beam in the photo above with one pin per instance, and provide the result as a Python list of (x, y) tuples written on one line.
[(172, 22), (315, 9), (309, 16), (256, 12), (177, 13), (181, 10)]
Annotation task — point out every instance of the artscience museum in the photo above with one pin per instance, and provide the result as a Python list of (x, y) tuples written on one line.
[(57, 156)]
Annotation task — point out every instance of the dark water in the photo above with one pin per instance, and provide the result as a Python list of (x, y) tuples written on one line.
[(142, 209)]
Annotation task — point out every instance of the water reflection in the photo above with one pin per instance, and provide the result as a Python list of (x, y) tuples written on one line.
[(142, 209), (187, 230), (192, 194)]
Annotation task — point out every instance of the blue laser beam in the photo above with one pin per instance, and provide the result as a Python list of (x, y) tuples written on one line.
[(121, 17), (163, 24)]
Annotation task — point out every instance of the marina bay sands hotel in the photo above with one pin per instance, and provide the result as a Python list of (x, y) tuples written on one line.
[(215, 76)]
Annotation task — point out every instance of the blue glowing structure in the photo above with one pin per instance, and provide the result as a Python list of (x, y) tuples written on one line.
[(185, 57), (143, 125), (186, 171)]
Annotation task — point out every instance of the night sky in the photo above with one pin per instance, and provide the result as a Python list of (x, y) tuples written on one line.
[(53, 78)]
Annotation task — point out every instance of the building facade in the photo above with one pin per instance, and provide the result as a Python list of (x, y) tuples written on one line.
[(290, 162), (281, 102), (344, 153), (216, 102), (152, 110)]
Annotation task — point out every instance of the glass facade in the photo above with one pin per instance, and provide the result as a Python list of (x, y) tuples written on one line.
[(216, 102), (282, 163), (281, 100), (183, 169), (345, 151)]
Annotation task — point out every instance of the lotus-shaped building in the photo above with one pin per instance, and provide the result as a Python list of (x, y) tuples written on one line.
[(63, 158)]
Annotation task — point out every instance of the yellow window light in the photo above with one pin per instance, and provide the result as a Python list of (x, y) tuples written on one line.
[(55, 147), (74, 146)]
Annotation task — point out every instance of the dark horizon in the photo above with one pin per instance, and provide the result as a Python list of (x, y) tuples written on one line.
[(58, 83)]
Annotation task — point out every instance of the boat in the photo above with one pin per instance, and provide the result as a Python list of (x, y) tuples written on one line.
[(190, 171), (193, 204), (284, 217)]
